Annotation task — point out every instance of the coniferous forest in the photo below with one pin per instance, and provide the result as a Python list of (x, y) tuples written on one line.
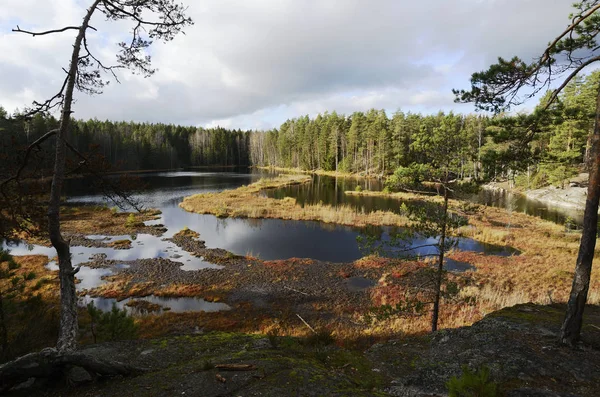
[(369, 143)]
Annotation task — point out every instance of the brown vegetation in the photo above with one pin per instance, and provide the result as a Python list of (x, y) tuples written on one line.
[(542, 273)]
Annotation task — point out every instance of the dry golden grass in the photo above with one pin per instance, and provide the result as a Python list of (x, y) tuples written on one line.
[(98, 220), (45, 282), (313, 172), (120, 244), (245, 202), (91, 220), (122, 287)]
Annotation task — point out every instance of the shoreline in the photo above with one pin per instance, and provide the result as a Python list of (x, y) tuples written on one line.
[(570, 198), (336, 174), (258, 291)]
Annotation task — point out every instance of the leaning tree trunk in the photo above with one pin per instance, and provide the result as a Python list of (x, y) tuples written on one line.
[(67, 338), (571, 327), (440, 269)]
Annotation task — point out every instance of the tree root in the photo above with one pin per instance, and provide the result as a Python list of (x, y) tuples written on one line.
[(49, 363)]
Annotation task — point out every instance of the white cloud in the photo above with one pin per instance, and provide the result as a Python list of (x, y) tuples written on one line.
[(252, 64)]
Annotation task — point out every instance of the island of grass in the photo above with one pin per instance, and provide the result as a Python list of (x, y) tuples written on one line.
[(247, 202)]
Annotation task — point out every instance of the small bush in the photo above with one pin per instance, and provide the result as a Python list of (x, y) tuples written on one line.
[(386, 190), (207, 365), (472, 384), (323, 337), (358, 188), (131, 221), (113, 325), (273, 336)]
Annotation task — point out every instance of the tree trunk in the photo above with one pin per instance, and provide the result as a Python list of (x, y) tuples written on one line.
[(571, 327), (440, 269), (3, 331), (67, 338)]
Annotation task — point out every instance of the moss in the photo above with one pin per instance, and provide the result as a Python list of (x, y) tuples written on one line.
[(530, 313)]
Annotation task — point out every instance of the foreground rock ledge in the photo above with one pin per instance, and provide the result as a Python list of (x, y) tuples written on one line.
[(517, 344)]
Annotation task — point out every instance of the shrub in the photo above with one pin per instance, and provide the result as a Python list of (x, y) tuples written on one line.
[(358, 188), (410, 176), (322, 337), (472, 384), (131, 221), (345, 165), (113, 325)]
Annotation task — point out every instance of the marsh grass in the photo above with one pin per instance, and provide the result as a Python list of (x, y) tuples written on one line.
[(245, 202)]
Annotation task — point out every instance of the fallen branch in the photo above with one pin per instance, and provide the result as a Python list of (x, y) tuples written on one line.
[(295, 290), (235, 367), (307, 324)]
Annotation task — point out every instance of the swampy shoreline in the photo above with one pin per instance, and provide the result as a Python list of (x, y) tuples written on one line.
[(270, 302), (267, 296)]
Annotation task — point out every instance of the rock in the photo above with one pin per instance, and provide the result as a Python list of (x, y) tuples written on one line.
[(261, 344), (25, 385), (512, 343), (527, 392), (78, 375), (410, 391)]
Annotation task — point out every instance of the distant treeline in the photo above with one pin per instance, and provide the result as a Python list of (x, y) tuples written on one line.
[(137, 146), (363, 142)]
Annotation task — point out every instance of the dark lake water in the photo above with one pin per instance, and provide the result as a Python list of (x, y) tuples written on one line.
[(330, 190), (267, 239), (520, 203)]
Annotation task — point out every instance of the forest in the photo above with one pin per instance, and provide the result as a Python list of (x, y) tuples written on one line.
[(367, 143)]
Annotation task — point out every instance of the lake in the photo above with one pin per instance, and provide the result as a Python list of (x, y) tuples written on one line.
[(267, 239)]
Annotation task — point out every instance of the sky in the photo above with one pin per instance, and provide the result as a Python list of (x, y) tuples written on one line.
[(252, 64)]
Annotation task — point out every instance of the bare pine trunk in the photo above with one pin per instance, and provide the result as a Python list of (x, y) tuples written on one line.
[(571, 327), (440, 269), (67, 338)]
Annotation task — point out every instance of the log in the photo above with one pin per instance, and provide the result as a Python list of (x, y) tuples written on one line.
[(235, 367), (49, 363)]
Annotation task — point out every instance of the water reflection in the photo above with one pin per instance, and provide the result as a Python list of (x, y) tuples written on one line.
[(145, 246), (520, 203), (175, 305), (330, 190)]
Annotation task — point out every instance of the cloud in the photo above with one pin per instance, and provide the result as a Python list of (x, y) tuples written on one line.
[(252, 64)]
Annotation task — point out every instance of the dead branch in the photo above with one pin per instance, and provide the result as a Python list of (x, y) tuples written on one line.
[(19, 30), (307, 324), (235, 367), (295, 290)]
